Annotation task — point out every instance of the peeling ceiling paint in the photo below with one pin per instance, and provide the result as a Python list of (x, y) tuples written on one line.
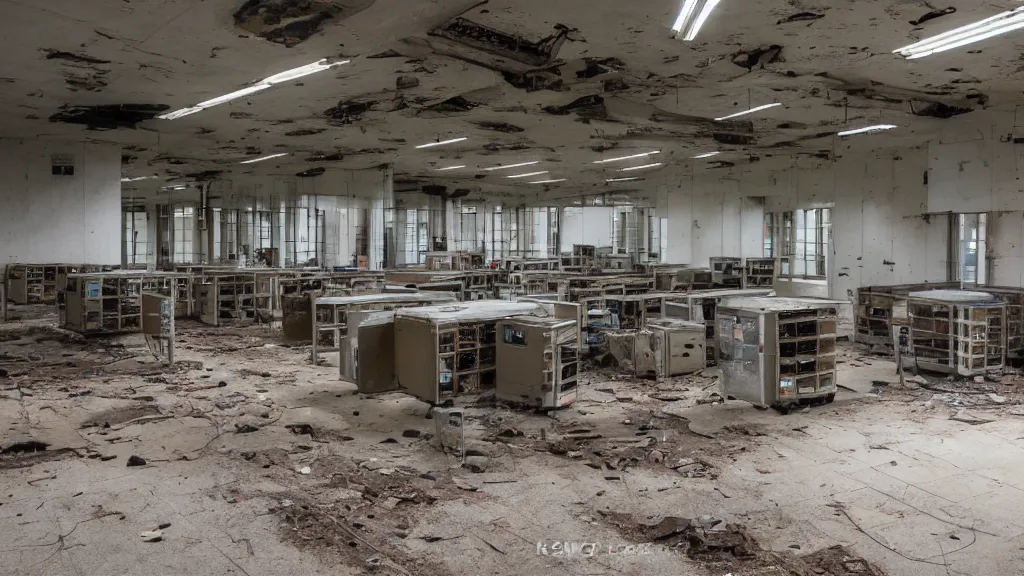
[(565, 83)]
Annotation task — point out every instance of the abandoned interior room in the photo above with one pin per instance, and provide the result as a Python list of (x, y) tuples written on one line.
[(510, 287)]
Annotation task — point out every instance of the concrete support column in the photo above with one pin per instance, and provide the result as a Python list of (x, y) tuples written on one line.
[(381, 204)]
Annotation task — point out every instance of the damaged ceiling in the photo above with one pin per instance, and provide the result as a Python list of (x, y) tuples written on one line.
[(562, 83)]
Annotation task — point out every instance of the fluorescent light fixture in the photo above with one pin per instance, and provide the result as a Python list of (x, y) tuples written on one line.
[(267, 82), (549, 181), (706, 155), (631, 168), (520, 165), (627, 157), (137, 178), (254, 160), (691, 17), (751, 111), (296, 73), (442, 143), (449, 168), (527, 174), (624, 179), (877, 128), (981, 30), (174, 187)]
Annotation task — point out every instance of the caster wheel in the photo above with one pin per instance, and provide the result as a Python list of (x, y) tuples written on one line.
[(830, 398)]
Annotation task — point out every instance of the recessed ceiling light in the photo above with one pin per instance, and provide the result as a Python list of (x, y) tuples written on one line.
[(624, 179), (627, 157), (751, 111), (286, 76), (264, 158), (706, 155), (527, 174), (631, 168), (981, 30), (866, 129), (691, 17), (137, 178), (521, 164), (442, 143), (549, 181), (448, 168), (174, 187)]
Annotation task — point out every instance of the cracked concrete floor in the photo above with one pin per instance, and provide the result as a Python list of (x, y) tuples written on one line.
[(886, 474)]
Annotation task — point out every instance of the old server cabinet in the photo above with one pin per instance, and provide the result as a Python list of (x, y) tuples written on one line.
[(726, 272), (701, 307), (957, 331), (538, 361), (450, 350), (778, 351)]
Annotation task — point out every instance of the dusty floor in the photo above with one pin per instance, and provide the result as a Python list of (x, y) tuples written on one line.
[(914, 481)]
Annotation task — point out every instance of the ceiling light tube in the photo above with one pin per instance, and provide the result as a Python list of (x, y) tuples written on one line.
[(442, 143), (527, 174), (137, 178), (448, 168), (751, 111), (520, 165), (549, 181), (254, 160), (630, 157), (631, 168), (286, 76), (866, 129), (706, 155), (296, 73), (976, 32), (624, 179), (691, 17)]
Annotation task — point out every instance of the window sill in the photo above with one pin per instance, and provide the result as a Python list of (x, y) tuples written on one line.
[(818, 281)]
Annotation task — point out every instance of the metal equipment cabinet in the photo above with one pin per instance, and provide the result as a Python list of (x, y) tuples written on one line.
[(957, 331), (701, 307), (778, 351), (538, 361), (450, 350), (726, 272), (759, 273)]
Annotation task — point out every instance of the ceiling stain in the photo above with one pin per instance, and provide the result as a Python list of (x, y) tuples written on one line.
[(109, 116), (291, 22)]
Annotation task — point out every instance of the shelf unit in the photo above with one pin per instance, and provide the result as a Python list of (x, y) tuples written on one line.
[(957, 331), (111, 302), (778, 351), (759, 273), (41, 283), (450, 351), (726, 272), (876, 306)]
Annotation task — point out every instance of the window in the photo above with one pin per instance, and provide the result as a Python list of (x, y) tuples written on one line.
[(136, 236), (970, 241), (801, 239), (184, 235)]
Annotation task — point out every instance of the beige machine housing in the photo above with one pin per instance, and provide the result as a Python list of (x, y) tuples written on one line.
[(449, 350), (538, 361), (677, 346)]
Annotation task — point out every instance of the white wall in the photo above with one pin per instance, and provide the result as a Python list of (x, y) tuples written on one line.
[(46, 218), (712, 215), (586, 225)]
